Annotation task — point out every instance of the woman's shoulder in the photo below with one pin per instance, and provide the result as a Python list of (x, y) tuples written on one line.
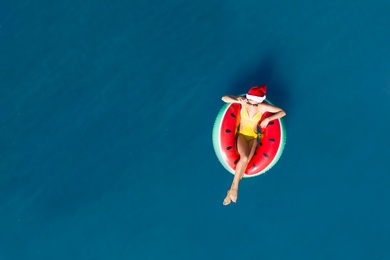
[(264, 107)]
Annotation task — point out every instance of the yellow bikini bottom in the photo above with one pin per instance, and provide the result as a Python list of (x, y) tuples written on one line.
[(248, 133)]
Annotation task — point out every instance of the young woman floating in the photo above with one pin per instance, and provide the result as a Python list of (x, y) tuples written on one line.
[(252, 109)]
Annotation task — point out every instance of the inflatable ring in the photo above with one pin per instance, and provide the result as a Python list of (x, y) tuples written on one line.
[(271, 141)]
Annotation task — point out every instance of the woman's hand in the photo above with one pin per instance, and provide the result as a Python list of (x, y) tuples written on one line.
[(264, 123), (241, 100)]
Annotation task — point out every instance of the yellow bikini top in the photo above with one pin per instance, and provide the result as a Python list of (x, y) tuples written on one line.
[(249, 124), (249, 121)]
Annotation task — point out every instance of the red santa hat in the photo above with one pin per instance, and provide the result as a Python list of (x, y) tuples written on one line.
[(257, 93)]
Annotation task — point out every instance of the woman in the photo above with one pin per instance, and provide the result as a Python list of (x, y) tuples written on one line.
[(252, 109)]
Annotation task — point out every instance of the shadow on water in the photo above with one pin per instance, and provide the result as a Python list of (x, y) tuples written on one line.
[(265, 72)]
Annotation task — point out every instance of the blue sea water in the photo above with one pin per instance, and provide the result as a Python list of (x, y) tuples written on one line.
[(106, 112)]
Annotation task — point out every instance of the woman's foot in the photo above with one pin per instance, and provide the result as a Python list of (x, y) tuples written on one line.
[(231, 196), (227, 199)]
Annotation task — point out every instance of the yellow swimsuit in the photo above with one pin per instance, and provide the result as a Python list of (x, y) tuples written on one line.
[(248, 124)]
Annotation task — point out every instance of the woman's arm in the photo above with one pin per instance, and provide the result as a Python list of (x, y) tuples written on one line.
[(277, 113), (232, 99)]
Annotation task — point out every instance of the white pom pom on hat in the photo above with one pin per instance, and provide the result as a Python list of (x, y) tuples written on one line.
[(257, 93)]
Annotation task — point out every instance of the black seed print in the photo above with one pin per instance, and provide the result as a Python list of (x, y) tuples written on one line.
[(233, 115), (228, 148), (228, 131), (236, 161), (271, 139), (254, 166), (271, 123), (266, 155)]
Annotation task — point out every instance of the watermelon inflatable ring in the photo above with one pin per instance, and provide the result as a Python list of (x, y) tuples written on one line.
[(270, 146)]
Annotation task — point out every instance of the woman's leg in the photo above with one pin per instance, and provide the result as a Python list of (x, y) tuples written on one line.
[(245, 150)]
